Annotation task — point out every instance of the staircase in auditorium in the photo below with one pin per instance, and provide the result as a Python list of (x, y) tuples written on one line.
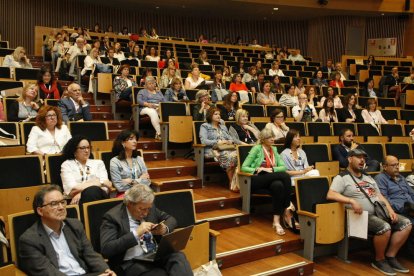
[(247, 244)]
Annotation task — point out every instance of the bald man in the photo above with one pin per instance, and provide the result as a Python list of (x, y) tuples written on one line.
[(400, 195), (74, 107)]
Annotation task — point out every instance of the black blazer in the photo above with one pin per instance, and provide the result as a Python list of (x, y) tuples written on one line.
[(343, 114), (339, 153), (38, 257), (116, 237), (69, 113)]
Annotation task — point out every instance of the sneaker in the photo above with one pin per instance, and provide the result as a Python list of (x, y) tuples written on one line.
[(392, 261), (384, 267)]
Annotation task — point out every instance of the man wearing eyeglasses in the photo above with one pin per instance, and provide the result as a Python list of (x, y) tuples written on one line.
[(55, 244), (74, 107), (396, 189)]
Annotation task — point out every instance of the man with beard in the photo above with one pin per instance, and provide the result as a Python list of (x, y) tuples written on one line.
[(340, 152), (359, 192)]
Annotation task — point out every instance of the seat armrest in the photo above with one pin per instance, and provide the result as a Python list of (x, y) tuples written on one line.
[(214, 233), (307, 214), (199, 146), (244, 174)]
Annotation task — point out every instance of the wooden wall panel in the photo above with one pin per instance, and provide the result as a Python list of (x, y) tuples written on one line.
[(320, 38)]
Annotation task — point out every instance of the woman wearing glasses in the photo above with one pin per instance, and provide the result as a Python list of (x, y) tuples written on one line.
[(277, 125), (127, 168), (49, 136), (83, 179), (269, 174)]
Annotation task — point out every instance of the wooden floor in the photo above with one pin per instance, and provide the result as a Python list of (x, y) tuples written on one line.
[(258, 231), (360, 265)]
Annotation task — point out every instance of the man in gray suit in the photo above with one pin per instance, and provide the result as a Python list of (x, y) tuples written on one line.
[(56, 245), (74, 107), (127, 232)]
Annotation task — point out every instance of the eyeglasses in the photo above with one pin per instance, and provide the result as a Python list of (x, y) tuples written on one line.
[(280, 117), (84, 148), (51, 116), (55, 204)]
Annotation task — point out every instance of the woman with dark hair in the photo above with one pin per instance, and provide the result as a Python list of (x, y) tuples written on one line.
[(300, 87), (237, 84), (369, 90), (230, 106), (371, 60), (277, 87), (153, 33), (49, 135), (195, 80), (330, 92), (318, 80), (266, 97), (214, 134), (240, 69), (328, 112), (295, 158), (269, 173), (337, 82), (371, 114), (202, 58), (289, 98), (348, 113), (83, 179), (123, 84), (127, 168), (97, 28), (152, 55), (277, 125), (310, 91), (118, 53), (251, 75), (109, 29)]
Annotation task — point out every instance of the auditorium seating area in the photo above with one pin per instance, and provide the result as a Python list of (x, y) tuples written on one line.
[(256, 250)]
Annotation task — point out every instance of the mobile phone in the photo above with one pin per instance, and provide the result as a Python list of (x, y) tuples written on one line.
[(157, 225)]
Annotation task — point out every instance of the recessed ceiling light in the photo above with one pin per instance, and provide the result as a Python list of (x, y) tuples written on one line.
[(382, 13), (275, 9), (157, 7)]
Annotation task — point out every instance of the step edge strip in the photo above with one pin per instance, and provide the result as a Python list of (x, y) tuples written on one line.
[(174, 180), (281, 269), (222, 217), (209, 199), (247, 248)]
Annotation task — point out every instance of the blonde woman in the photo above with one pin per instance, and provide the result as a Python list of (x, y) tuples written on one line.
[(242, 131), (25, 107), (17, 59)]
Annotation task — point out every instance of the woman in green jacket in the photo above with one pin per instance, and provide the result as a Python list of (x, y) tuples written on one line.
[(269, 174)]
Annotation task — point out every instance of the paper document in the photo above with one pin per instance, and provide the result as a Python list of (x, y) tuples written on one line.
[(357, 224)]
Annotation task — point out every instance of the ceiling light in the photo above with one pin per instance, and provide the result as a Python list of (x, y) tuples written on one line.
[(157, 7), (275, 9)]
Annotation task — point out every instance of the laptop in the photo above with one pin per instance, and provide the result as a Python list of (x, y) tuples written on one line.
[(170, 243)]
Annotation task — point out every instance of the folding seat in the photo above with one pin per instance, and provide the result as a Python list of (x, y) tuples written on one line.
[(374, 150), (399, 150), (255, 110), (95, 131), (299, 126), (318, 129), (390, 130), (317, 153)]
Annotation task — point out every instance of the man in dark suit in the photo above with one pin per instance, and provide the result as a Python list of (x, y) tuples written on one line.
[(56, 245), (340, 152), (328, 67), (127, 232), (74, 107), (338, 69)]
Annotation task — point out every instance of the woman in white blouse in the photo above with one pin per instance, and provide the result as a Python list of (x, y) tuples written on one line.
[(49, 136), (330, 92), (371, 114), (275, 70), (83, 179), (152, 55), (266, 97), (195, 79), (278, 126), (118, 52)]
